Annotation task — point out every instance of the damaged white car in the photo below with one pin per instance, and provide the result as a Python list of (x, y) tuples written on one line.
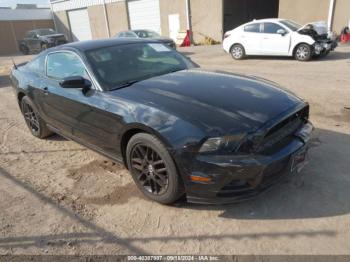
[(279, 37)]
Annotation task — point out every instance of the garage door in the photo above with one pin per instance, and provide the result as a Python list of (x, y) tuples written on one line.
[(80, 24), (144, 14)]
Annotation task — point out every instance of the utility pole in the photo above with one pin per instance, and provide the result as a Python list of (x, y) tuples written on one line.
[(331, 14), (189, 20), (106, 19)]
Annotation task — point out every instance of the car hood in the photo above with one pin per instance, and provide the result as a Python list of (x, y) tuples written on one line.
[(320, 27), (218, 103), (163, 39), (52, 36)]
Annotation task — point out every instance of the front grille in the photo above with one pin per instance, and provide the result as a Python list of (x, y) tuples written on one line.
[(278, 136), (281, 137)]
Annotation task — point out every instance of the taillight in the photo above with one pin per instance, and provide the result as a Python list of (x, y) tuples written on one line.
[(227, 35)]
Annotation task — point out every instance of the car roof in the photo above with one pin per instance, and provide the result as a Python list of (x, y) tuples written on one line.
[(267, 20), (102, 43), (38, 29)]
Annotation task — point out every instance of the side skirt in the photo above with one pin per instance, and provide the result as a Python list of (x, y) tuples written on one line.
[(89, 146)]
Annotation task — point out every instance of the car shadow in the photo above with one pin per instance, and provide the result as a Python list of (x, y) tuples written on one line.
[(320, 190), (186, 52), (94, 234), (4, 81), (335, 55)]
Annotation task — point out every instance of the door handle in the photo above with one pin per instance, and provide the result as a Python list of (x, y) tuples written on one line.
[(46, 90)]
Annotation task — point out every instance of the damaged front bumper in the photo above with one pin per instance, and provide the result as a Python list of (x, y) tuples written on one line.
[(324, 47), (238, 178)]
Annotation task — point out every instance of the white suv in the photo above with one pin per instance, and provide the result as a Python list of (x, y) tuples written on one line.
[(277, 37)]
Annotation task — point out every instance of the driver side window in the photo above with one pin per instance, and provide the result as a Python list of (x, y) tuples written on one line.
[(271, 28), (64, 64)]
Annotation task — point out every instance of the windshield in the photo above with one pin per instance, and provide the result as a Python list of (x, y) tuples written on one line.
[(45, 32), (116, 66), (146, 34), (291, 25)]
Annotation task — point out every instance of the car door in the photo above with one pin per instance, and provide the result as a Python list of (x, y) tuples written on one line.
[(74, 113), (62, 106), (273, 42), (36, 82), (251, 38)]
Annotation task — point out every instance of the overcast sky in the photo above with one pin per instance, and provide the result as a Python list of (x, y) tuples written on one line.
[(13, 3)]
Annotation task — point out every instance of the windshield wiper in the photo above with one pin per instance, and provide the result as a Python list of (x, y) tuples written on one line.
[(125, 84)]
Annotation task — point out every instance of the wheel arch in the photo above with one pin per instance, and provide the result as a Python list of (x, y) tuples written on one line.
[(236, 43), (20, 96), (298, 44), (136, 128)]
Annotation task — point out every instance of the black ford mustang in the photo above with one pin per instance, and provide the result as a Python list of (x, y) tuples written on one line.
[(216, 137)]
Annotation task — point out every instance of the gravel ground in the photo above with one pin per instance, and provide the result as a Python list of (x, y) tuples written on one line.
[(57, 197)]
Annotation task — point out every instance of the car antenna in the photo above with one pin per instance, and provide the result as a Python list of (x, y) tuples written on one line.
[(14, 64)]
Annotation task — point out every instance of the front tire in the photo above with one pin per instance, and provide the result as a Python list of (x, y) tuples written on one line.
[(237, 52), (35, 123), (153, 169), (303, 52), (24, 49), (44, 46)]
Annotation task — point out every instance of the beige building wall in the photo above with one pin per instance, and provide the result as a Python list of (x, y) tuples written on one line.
[(207, 19), (304, 11), (62, 24), (341, 15), (8, 44), (97, 22), (117, 17), (170, 8)]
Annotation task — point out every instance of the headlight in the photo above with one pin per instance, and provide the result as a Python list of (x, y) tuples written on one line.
[(318, 47), (221, 144)]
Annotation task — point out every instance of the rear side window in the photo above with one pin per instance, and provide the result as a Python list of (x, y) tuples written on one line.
[(37, 65), (271, 28), (129, 34), (64, 64), (252, 28)]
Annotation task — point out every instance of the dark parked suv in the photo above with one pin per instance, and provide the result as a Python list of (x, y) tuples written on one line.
[(40, 39)]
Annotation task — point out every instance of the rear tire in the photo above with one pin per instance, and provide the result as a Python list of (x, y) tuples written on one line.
[(153, 169), (303, 52), (35, 123), (237, 52)]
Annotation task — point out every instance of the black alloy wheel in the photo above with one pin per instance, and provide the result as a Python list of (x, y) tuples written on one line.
[(153, 169), (31, 119), (35, 123)]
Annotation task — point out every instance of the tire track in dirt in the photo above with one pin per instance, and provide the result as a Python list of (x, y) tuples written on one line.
[(5, 132), (103, 182)]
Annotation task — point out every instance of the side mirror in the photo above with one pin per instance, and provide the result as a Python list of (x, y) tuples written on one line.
[(281, 32), (76, 82)]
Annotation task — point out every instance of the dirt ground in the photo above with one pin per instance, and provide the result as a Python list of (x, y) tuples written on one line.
[(57, 197)]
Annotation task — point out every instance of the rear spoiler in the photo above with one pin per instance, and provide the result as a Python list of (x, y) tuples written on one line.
[(14, 64)]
